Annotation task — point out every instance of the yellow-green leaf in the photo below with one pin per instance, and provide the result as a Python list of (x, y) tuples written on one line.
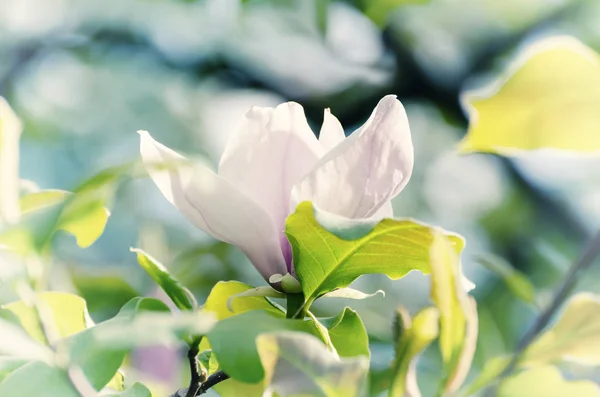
[(179, 295), (574, 337), (548, 99), (414, 337), (68, 312), (458, 314), (546, 381), (78, 214), (217, 301)]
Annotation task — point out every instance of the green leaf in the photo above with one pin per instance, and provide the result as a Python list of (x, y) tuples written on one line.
[(379, 10), (104, 293), (232, 387), (16, 345), (137, 390), (348, 334), (332, 256), (458, 313), (415, 336), (179, 295), (68, 311), (223, 291), (37, 379), (491, 371), (233, 342), (208, 361), (8, 365), (10, 133), (549, 98), (516, 281), (298, 364), (100, 350), (545, 381), (574, 337), (78, 214)]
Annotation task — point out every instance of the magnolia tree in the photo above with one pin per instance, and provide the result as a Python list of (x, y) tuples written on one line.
[(312, 215)]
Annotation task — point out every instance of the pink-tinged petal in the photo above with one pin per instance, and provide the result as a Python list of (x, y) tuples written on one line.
[(367, 169), (271, 150), (332, 132), (214, 205)]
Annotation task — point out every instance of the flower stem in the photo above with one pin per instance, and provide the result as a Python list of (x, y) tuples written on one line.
[(295, 303)]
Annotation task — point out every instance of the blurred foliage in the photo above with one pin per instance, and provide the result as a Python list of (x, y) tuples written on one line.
[(84, 76)]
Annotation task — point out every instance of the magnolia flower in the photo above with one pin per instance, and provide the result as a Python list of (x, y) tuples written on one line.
[(272, 162)]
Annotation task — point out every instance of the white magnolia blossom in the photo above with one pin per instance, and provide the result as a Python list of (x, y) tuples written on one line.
[(10, 133), (272, 162)]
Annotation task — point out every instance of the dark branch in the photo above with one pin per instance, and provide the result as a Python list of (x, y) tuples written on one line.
[(212, 380), (196, 377)]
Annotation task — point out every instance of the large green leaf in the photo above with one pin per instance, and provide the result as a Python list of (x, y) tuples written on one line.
[(458, 313), (233, 341), (332, 253), (37, 379), (546, 381), (548, 99), (415, 336), (179, 295), (348, 334), (298, 364), (574, 337)]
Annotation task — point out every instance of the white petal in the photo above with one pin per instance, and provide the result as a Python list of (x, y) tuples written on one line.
[(10, 132), (366, 170), (214, 205), (385, 211), (332, 132), (271, 150)]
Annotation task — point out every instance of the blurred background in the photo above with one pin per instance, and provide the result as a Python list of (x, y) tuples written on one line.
[(84, 76)]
